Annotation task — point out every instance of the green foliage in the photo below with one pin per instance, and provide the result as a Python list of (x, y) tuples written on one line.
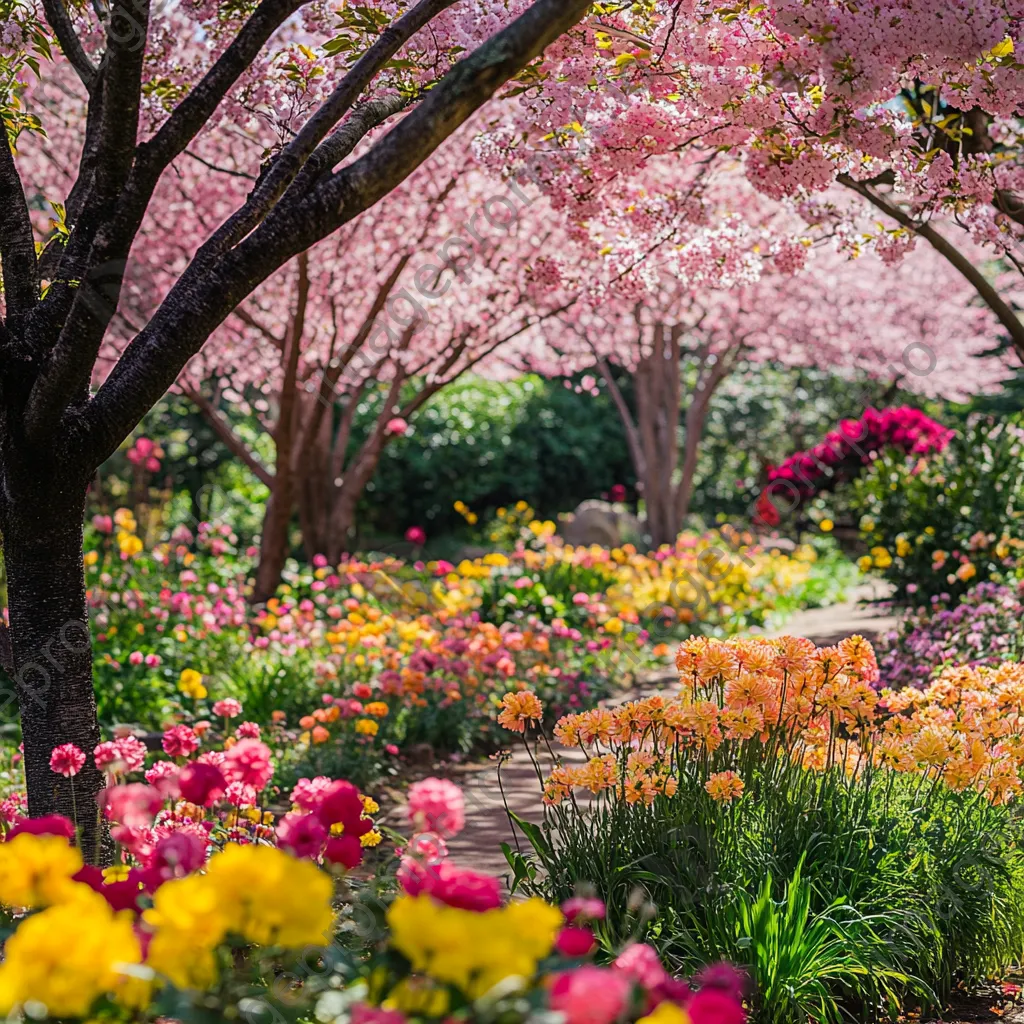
[(940, 525), (490, 444)]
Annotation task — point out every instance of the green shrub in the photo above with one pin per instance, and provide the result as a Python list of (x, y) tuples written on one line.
[(940, 525)]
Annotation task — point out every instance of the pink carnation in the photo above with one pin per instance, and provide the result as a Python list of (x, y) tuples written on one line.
[(303, 834), (67, 760), (438, 806), (309, 792), (162, 770), (227, 708), (248, 731), (641, 963), (248, 762), (590, 995), (134, 804), (180, 741)]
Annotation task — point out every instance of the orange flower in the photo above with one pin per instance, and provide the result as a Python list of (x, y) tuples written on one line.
[(320, 734), (519, 709), (724, 787)]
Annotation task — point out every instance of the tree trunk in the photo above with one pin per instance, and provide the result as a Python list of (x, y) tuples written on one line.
[(51, 647), (274, 542)]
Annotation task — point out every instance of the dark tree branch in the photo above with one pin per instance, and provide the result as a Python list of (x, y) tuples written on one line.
[(227, 434), (70, 44), (17, 245), (985, 289), (207, 291), (291, 160), (195, 110)]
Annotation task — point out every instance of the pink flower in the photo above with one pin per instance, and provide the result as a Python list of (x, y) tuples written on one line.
[(162, 770), (134, 804), (248, 762), (136, 658), (341, 804), (48, 825), (180, 741), (457, 887), (103, 524), (241, 795), (227, 708), (309, 792), (583, 908), (67, 760), (396, 426), (363, 1014), (132, 752), (437, 805), (248, 730), (416, 535), (715, 1006), (590, 995), (176, 855), (202, 784), (641, 963), (302, 834), (107, 754), (153, 660)]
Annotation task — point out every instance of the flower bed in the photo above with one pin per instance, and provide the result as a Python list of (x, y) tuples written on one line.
[(850, 847), (202, 931), (985, 627)]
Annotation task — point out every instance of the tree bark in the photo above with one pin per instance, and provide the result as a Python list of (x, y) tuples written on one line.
[(51, 646)]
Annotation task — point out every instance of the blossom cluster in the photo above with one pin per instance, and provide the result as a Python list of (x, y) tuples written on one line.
[(750, 701), (844, 452)]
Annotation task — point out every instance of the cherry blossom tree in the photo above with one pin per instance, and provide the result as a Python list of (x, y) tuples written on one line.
[(739, 289), (314, 86)]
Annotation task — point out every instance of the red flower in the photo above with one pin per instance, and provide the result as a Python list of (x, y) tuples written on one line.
[(202, 784), (344, 850)]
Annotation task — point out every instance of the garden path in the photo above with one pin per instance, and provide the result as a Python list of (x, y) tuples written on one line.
[(487, 823)]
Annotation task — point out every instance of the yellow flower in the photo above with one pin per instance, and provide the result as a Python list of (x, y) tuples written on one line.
[(270, 898), (367, 727), (903, 546), (370, 806), (371, 838), (864, 563), (91, 557), (68, 956), (881, 557), (129, 544), (826, 525), (190, 683), (614, 625), (35, 871), (666, 1012)]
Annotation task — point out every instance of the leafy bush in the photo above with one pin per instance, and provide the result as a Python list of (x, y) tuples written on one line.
[(938, 526)]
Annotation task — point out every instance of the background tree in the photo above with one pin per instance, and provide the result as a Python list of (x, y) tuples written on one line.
[(158, 84)]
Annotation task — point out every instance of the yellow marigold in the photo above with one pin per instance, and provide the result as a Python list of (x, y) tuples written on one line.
[(724, 787), (366, 727), (35, 871), (370, 806), (271, 898), (519, 708), (190, 683), (69, 956), (371, 838)]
